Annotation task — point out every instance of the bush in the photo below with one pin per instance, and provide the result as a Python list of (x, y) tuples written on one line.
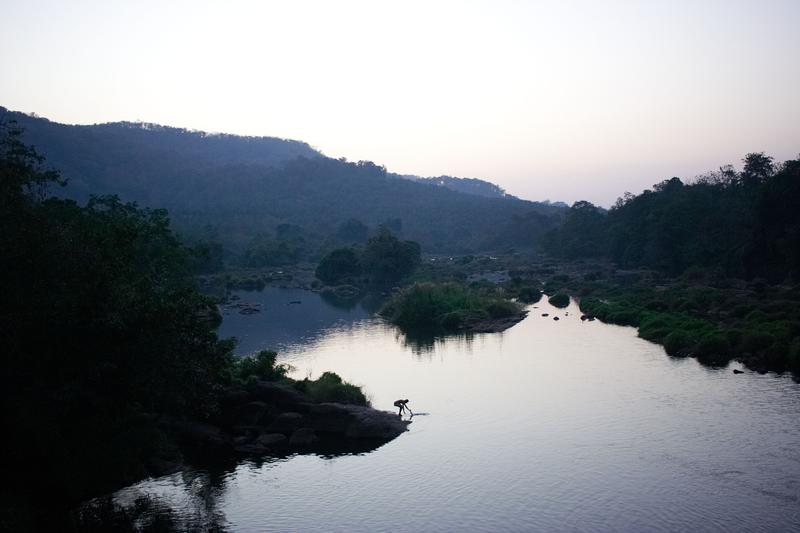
[(329, 387), (754, 341), (560, 300), (340, 264), (678, 343), (260, 366), (529, 295), (502, 309), (714, 346)]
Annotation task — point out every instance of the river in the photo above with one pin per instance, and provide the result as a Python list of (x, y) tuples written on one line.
[(550, 426)]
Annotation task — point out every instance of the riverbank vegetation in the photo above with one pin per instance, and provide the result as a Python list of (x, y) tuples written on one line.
[(720, 258)]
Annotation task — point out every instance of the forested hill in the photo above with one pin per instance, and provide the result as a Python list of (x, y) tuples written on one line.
[(133, 157), (246, 191), (465, 185)]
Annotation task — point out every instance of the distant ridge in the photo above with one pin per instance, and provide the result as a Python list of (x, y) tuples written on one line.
[(246, 189)]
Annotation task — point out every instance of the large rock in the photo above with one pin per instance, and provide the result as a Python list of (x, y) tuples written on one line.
[(302, 437), (251, 414), (327, 417), (368, 423), (199, 438), (277, 394), (273, 440), (286, 423)]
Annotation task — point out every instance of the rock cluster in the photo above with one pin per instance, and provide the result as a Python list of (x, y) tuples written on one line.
[(268, 418)]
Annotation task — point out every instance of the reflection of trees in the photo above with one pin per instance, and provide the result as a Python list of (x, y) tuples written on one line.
[(425, 341), (190, 501), (191, 505), (348, 304), (371, 302)]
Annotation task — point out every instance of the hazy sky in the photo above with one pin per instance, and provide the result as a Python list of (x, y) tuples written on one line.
[(561, 100)]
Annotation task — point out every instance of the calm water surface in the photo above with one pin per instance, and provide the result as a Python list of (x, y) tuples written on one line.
[(549, 426)]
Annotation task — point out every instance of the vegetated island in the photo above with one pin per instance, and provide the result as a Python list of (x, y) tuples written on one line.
[(453, 307)]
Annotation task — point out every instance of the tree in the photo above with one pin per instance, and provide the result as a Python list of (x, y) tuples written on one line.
[(386, 259), (757, 168), (338, 266)]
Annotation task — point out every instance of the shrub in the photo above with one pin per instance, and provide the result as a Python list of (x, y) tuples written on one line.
[(340, 264), (559, 299), (329, 387), (754, 341), (529, 295), (502, 309), (714, 346), (259, 366), (678, 343)]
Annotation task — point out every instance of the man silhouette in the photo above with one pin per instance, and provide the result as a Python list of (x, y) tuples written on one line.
[(401, 405)]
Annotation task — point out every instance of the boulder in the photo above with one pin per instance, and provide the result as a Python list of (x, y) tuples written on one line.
[(272, 440), (327, 417), (199, 438), (302, 437), (251, 448), (368, 423), (252, 413), (286, 423), (282, 396)]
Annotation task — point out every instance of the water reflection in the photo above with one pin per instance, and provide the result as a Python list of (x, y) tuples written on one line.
[(425, 342), (186, 501), (276, 319), (553, 425)]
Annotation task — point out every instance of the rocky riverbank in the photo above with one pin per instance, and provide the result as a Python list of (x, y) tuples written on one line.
[(268, 418)]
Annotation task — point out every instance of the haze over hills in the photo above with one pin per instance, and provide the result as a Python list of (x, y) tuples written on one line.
[(240, 190)]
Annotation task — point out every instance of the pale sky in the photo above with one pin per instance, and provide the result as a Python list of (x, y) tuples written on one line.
[(564, 100)]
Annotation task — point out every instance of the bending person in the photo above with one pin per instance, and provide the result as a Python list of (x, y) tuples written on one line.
[(401, 405)]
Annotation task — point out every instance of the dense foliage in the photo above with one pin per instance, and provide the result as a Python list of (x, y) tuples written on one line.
[(743, 223), (245, 188), (465, 185), (385, 259), (339, 266), (100, 326)]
